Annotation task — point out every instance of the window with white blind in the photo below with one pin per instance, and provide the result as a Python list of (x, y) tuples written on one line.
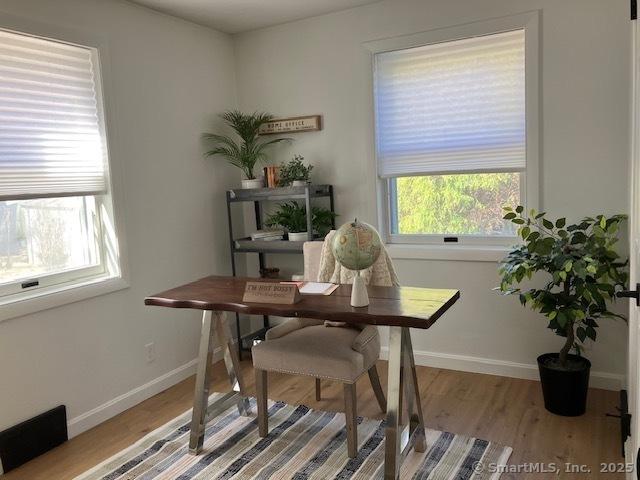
[(452, 127), (54, 188)]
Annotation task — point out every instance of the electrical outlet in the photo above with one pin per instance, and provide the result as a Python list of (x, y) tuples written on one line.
[(150, 351)]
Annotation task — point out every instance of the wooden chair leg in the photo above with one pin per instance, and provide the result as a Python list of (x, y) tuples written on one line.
[(351, 412), (261, 399), (318, 390), (377, 388)]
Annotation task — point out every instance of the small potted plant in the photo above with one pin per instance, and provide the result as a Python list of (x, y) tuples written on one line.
[(293, 217), (322, 220), (583, 272), (294, 172), (250, 150)]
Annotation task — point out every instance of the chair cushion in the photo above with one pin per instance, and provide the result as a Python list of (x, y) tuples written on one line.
[(316, 351)]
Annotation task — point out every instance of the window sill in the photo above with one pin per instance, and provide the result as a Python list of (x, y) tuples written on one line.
[(461, 253), (58, 295)]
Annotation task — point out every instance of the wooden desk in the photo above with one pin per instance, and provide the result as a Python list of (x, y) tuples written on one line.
[(400, 308)]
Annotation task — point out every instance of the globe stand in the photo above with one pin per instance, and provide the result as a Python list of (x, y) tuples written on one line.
[(359, 294)]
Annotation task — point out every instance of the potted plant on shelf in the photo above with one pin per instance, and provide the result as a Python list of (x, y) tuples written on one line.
[(293, 217), (250, 150), (322, 220), (294, 172), (584, 271)]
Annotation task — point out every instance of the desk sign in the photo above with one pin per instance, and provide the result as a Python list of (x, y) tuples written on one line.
[(292, 125), (264, 292)]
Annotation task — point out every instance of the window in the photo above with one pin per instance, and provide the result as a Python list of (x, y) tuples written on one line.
[(452, 133), (467, 204), (54, 189)]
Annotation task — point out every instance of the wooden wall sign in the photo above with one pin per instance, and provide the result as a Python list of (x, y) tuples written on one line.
[(292, 125), (265, 292)]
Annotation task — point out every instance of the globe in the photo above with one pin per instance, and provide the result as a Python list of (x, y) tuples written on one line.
[(356, 245)]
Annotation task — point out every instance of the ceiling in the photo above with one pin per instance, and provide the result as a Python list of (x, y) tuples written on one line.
[(235, 16)]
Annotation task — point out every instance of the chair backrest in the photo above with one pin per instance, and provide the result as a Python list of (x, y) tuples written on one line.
[(311, 252)]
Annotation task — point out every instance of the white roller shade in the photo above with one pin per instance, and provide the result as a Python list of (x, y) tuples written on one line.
[(51, 141), (450, 107)]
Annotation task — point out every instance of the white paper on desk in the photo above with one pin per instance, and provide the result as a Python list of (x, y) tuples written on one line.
[(318, 288)]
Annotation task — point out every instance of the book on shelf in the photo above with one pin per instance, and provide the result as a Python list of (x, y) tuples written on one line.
[(271, 175), (267, 235)]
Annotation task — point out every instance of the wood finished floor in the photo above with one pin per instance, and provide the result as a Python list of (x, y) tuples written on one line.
[(504, 410)]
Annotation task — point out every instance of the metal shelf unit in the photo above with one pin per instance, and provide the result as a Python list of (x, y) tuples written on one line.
[(262, 247)]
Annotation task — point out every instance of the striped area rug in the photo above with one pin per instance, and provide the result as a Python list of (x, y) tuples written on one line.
[(302, 444)]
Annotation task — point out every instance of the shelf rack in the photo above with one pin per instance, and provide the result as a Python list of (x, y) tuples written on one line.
[(245, 245)]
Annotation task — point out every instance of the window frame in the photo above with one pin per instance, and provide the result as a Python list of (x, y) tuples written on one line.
[(439, 239), (69, 275), (529, 179), (112, 274)]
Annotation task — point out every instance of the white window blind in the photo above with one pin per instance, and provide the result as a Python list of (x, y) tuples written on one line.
[(51, 141), (457, 106)]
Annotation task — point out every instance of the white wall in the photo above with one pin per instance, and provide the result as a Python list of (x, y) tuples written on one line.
[(319, 65), (168, 80)]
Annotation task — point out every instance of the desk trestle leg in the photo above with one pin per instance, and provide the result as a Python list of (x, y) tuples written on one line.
[(212, 323), (232, 362), (414, 410), (394, 411), (402, 383), (203, 374)]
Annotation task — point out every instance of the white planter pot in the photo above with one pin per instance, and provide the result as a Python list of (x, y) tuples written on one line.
[(253, 183), (298, 236), (299, 183), (359, 294)]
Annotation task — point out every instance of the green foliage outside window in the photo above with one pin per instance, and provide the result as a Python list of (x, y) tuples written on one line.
[(465, 204)]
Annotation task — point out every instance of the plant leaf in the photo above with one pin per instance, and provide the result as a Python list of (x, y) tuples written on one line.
[(581, 333)]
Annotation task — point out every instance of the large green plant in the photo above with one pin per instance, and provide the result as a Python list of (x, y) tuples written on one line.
[(584, 269), (293, 217), (250, 150)]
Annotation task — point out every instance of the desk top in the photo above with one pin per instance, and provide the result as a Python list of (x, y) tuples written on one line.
[(395, 306)]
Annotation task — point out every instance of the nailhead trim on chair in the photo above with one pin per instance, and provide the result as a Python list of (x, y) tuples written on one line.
[(373, 337)]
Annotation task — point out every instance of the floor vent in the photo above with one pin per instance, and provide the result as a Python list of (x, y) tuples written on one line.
[(33, 437)]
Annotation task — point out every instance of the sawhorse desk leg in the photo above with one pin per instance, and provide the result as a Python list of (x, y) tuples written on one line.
[(215, 325), (402, 379)]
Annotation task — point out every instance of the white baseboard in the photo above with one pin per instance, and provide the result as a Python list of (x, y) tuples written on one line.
[(465, 363), (490, 366), (123, 402)]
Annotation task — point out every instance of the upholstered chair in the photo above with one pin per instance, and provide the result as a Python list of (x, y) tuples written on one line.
[(304, 346)]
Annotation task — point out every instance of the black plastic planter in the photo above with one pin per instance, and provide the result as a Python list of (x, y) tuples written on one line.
[(564, 390)]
